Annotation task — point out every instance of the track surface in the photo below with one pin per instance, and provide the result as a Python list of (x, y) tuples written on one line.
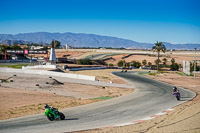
[(149, 98)]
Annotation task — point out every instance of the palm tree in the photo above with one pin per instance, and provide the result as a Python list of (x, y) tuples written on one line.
[(159, 47)]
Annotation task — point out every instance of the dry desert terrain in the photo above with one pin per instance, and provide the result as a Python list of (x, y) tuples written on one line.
[(20, 96)]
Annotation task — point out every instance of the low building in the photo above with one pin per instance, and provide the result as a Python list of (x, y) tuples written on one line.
[(67, 46), (36, 47)]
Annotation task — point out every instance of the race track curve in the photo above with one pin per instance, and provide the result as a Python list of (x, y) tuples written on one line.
[(149, 98)]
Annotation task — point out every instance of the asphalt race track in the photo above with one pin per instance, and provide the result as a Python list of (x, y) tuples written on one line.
[(149, 98)]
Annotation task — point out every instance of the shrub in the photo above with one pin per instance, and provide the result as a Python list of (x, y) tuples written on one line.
[(85, 62), (174, 67), (149, 64), (192, 67), (110, 65), (136, 64), (157, 61), (152, 74), (120, 63), (144, 62)]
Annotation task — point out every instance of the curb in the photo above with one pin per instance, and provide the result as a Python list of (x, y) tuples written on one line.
[(144, 119), (136, 121)]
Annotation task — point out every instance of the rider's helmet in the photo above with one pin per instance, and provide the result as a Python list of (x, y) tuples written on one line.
[(46, 106), (174, 89)]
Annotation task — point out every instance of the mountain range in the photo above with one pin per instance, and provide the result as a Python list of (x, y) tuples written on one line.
[(85, 40)]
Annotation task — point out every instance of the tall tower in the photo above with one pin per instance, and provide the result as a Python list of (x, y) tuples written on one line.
[(53, 54)]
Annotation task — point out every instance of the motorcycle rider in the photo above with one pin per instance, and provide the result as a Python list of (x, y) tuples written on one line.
[(175, 89), (53, 110)]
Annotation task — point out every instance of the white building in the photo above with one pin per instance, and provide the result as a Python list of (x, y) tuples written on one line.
[(67, 46), (36, 47)]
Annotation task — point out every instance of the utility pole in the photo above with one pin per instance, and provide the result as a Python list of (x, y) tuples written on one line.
[(124, 64), (5, 54), (195, 63)]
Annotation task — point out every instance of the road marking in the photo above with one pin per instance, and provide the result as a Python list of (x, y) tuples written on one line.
[(170, 109), (147, 118), (144, 119), (124, 124), (138, 121), (158, 114)]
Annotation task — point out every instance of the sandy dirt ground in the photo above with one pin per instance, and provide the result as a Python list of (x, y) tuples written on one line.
[(24, 95), (184, 119), (115, 58), (18, 100), (178, 58), (69, 54), (61, 54)]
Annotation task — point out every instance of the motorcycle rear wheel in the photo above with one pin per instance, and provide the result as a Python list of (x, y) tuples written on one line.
[(178, 98)]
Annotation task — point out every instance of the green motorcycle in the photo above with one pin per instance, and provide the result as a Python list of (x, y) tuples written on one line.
[(53, 113)]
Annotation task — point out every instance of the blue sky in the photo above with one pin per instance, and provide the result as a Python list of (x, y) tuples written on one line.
[(175, 21)]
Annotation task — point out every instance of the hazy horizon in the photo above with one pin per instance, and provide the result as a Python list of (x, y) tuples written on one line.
[(99, 35)]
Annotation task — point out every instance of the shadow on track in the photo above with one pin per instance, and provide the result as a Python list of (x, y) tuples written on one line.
[(186, 97), (70, 119)]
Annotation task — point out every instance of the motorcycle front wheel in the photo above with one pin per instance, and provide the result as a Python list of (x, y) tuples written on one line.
[(62, 116), (50, 117)]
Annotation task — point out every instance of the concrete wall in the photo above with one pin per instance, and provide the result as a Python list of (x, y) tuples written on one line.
[(186, 67), (40, 66), (86, 68), (49, 73)]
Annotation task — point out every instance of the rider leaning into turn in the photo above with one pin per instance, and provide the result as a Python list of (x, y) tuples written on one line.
[(53, 110), (175, 89)]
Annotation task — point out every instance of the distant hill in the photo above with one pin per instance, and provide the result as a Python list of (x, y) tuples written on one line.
[(85, 40)]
